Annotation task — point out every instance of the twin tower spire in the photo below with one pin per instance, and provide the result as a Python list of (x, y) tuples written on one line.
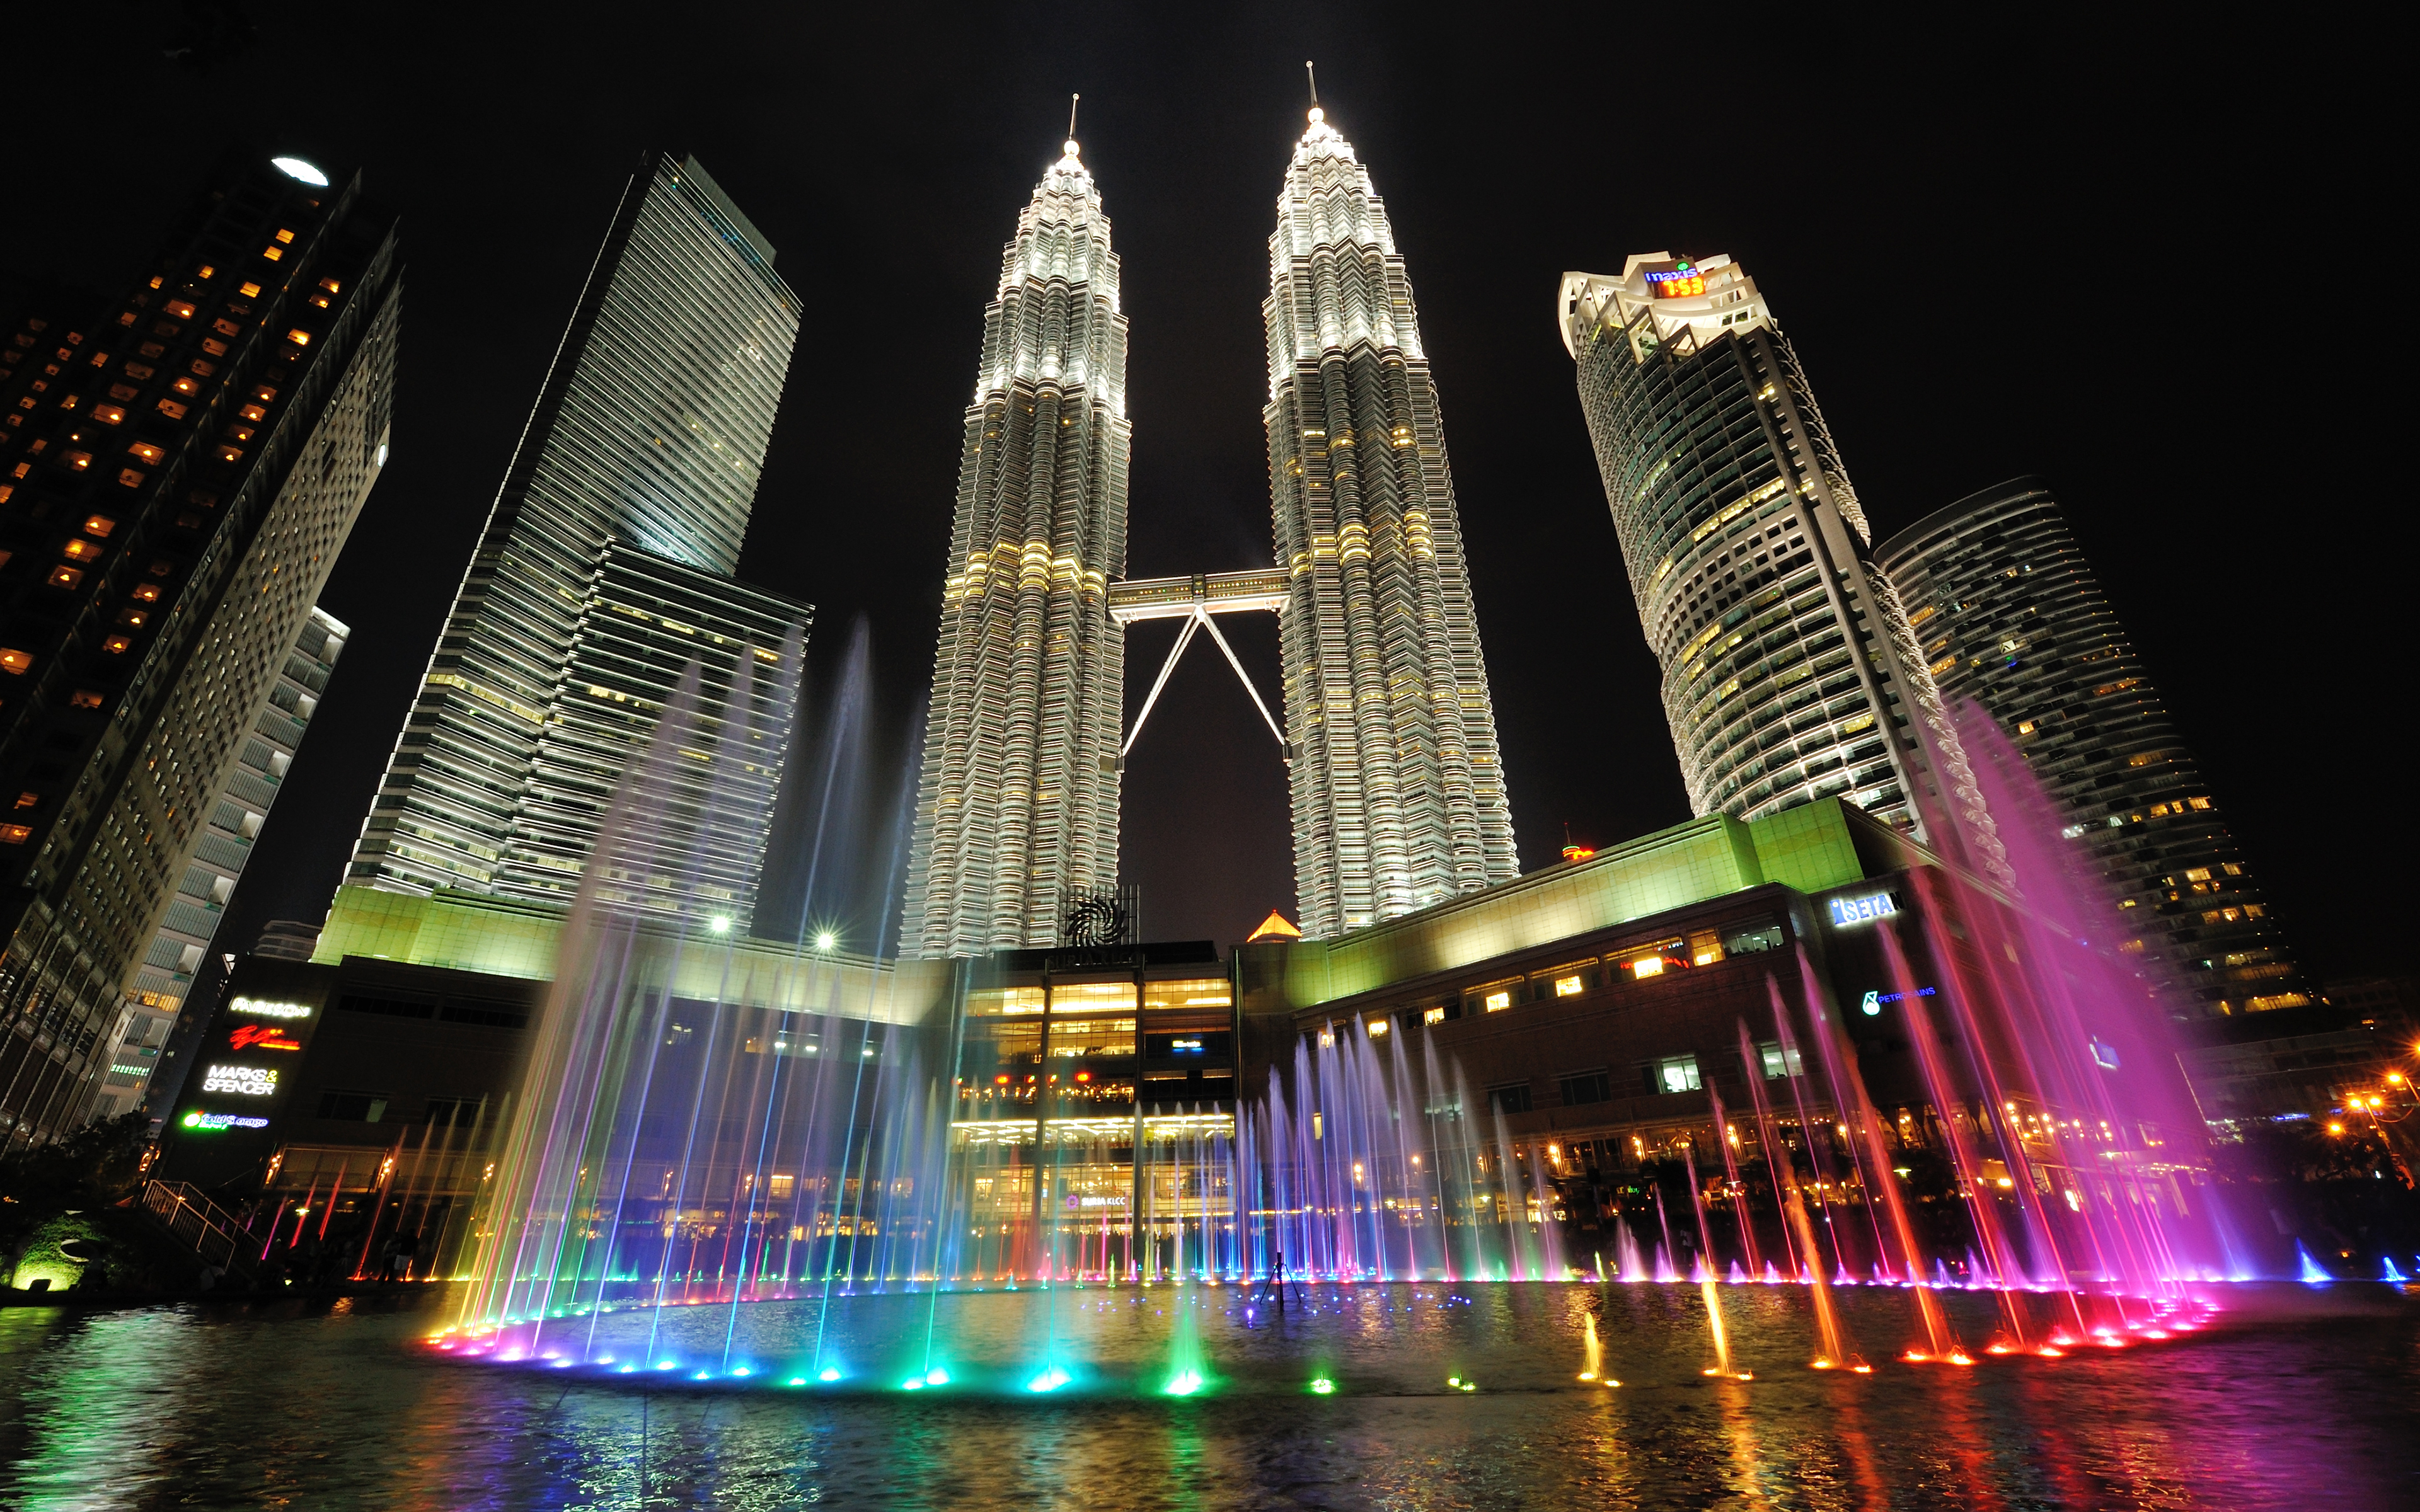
[(1398, 789)]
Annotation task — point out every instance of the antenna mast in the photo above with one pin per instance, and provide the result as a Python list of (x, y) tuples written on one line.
[(1312, 74)]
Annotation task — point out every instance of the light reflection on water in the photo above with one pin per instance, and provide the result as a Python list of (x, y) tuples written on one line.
[(2297, 1398)]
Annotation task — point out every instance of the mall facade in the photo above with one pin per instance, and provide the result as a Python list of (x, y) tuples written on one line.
[(1597, 1011)]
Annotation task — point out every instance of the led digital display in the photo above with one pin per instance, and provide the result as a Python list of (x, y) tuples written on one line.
[(1185, 1047), (247, 1081), (1677, 282), (267, 1009), (212, 1122), (1863, 910)]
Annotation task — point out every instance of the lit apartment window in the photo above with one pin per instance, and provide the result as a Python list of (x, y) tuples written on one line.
[(285, 236), (273, 254), (1378, 1028), (14, 660), (14, 834), (299, 336), (66, 577), (1496, 1002), (116, 645), (1433, 1015), (248, 291), (29, 800), (1571, 986), (330, 285), (146, 592), (1678, 1074), (108, 414), (84, 698), (100, 525)]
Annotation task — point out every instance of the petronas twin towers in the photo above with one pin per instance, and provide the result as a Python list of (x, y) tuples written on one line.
[(1398, 790)]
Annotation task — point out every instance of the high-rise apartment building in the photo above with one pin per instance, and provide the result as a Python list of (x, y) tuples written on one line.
[(1789, 674), (2010, 616), (1016, 807), (176, 476), (165, 977), (1398, 786), (647, 439)]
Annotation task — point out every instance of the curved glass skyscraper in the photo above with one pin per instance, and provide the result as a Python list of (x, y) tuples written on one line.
[(1399, 797), (1017, 802), (2010, 616), (1789, 674), (647, 439)]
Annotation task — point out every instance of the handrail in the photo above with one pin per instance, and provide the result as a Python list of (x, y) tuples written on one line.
[(193, 1219)]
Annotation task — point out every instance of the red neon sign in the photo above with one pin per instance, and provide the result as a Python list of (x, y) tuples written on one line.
[(261, 1037)]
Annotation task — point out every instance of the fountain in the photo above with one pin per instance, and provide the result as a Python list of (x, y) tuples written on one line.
[(730, 1166)]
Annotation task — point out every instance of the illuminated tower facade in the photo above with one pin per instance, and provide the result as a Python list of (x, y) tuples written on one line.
[(1398, 786), (1017, 801), (1789, 674), (179, 472), (2010, 615), (636, 476)]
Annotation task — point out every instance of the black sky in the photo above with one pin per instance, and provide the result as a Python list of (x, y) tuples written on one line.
[(2125, 260)]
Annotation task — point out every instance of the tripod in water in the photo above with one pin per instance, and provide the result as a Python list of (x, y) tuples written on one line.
[(1273, 1287)]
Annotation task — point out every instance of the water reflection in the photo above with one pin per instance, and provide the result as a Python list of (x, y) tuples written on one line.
[(2296, 1400)]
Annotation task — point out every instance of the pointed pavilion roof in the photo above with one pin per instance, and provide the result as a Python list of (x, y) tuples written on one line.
[(1274, 927)]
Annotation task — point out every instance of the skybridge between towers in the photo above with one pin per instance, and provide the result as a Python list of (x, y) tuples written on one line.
[(1195, 599)]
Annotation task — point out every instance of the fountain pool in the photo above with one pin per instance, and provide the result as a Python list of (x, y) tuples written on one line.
[(2291, 1396)]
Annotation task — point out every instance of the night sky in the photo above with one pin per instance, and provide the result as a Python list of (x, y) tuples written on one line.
[(2124, 262)]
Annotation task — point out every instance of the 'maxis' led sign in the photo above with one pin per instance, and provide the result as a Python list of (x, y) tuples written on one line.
[(1863, 910), (1677, 282)]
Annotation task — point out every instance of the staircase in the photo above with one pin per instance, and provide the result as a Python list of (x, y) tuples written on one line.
[(212, 1233)]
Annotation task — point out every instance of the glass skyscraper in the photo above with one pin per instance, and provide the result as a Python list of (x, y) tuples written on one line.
[(1398, 786), (1016, 807), (648, 438), (178, 474), (2010, 615), (1789, 674)]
